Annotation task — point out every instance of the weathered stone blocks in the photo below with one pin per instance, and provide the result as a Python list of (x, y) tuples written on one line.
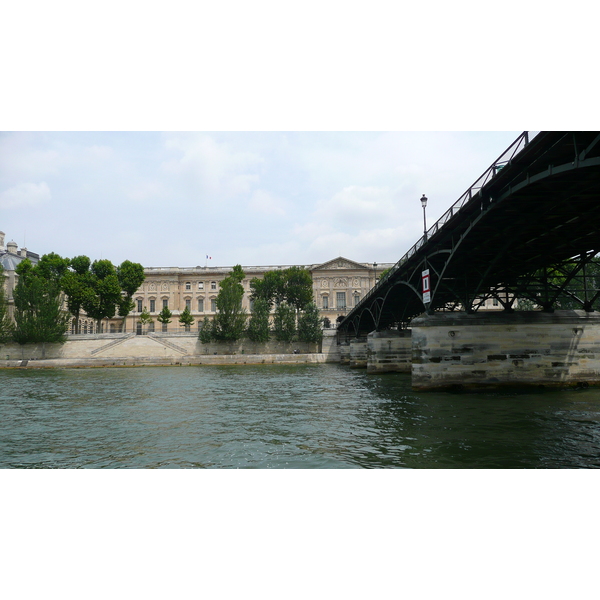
[(389, 351), (487, 350)]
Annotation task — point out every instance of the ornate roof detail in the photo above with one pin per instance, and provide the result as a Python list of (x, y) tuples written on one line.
[(339, 263)]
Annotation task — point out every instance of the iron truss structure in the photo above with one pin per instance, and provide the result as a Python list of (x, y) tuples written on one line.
[(528, 228)]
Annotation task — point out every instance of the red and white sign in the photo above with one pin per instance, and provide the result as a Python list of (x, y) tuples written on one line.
[(426, 286)]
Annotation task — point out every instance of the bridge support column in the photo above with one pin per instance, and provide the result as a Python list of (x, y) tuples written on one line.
[(344, 353), (495, 350), (389, 351), (358, 353)]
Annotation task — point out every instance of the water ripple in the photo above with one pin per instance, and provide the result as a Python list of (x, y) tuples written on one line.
[(313, 416)]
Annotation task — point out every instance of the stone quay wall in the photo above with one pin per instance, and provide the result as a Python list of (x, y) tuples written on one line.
[(482, 351), (154, 349)]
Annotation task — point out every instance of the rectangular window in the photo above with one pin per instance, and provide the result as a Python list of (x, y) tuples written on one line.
[(341, 300), (356, 299), (201, 285), (325, 302), (139, 306), (200, 304), (165, 303), (213, 285), (152, 305), (213, 305), (188, 285), (188, 304)]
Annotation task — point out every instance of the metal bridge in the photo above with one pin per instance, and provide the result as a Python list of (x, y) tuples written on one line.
[(533, 214)]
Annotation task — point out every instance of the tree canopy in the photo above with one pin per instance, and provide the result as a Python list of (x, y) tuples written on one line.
[(186, 319), (292, 285), (38, 304), (230, 321), (309, 325), (258, 327), (104, 291), (131, 276)]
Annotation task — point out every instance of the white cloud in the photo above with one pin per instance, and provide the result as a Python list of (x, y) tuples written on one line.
[(25, 194), (145, 191), (358, 206), (212, 167), (97, 152), (263, 202)]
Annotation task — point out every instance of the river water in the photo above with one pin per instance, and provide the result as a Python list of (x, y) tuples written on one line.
[(273, 416)]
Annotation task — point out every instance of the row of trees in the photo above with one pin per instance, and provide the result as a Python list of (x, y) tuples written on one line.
[(98, 288), (295, 316), (164, 317), (103, 290)]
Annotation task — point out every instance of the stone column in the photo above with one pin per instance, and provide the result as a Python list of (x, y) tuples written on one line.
[(499, 350)]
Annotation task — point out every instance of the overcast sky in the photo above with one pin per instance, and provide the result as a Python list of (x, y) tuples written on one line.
[(293, 194), (171, 199)]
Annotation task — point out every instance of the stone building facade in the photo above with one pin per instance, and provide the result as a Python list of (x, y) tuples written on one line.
[(338, 285)]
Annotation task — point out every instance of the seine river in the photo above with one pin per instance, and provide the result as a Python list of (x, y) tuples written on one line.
[(282, 417)]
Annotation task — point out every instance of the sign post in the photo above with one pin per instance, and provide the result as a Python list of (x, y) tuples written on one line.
[(426, 286)]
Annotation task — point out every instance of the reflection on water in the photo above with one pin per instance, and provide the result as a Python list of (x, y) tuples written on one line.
[(314, 416)]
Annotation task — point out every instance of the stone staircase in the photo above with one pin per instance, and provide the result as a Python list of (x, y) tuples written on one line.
[(166, 343), (112, 344)]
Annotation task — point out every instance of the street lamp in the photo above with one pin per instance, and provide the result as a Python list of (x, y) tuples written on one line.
[(424, 204)]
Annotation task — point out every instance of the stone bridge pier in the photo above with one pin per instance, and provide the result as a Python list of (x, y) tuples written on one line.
[(389, 351), (494, 350), (358, 353)]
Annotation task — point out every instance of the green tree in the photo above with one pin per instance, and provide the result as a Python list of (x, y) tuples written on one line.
[(309, 325), (76, 285), (258, 328), (164, 317), (205, 334), (284, 322), (104, 294), (298, 287), (39, 317), (230, 320), (145, 318), (131, 276), (186, 319), (6, 327), (270, 288), (292, 285), (53, 267)]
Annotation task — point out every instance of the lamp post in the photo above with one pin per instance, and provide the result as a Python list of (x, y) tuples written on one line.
[(424, 204)]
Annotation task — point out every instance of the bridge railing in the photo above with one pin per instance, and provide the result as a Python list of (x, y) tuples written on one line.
[(503, 160)]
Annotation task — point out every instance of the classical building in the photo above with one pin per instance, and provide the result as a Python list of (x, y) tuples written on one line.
[(338, 285), (10, 257)]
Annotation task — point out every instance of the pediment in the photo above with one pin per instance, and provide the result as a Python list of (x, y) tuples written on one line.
[(339, 263)]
